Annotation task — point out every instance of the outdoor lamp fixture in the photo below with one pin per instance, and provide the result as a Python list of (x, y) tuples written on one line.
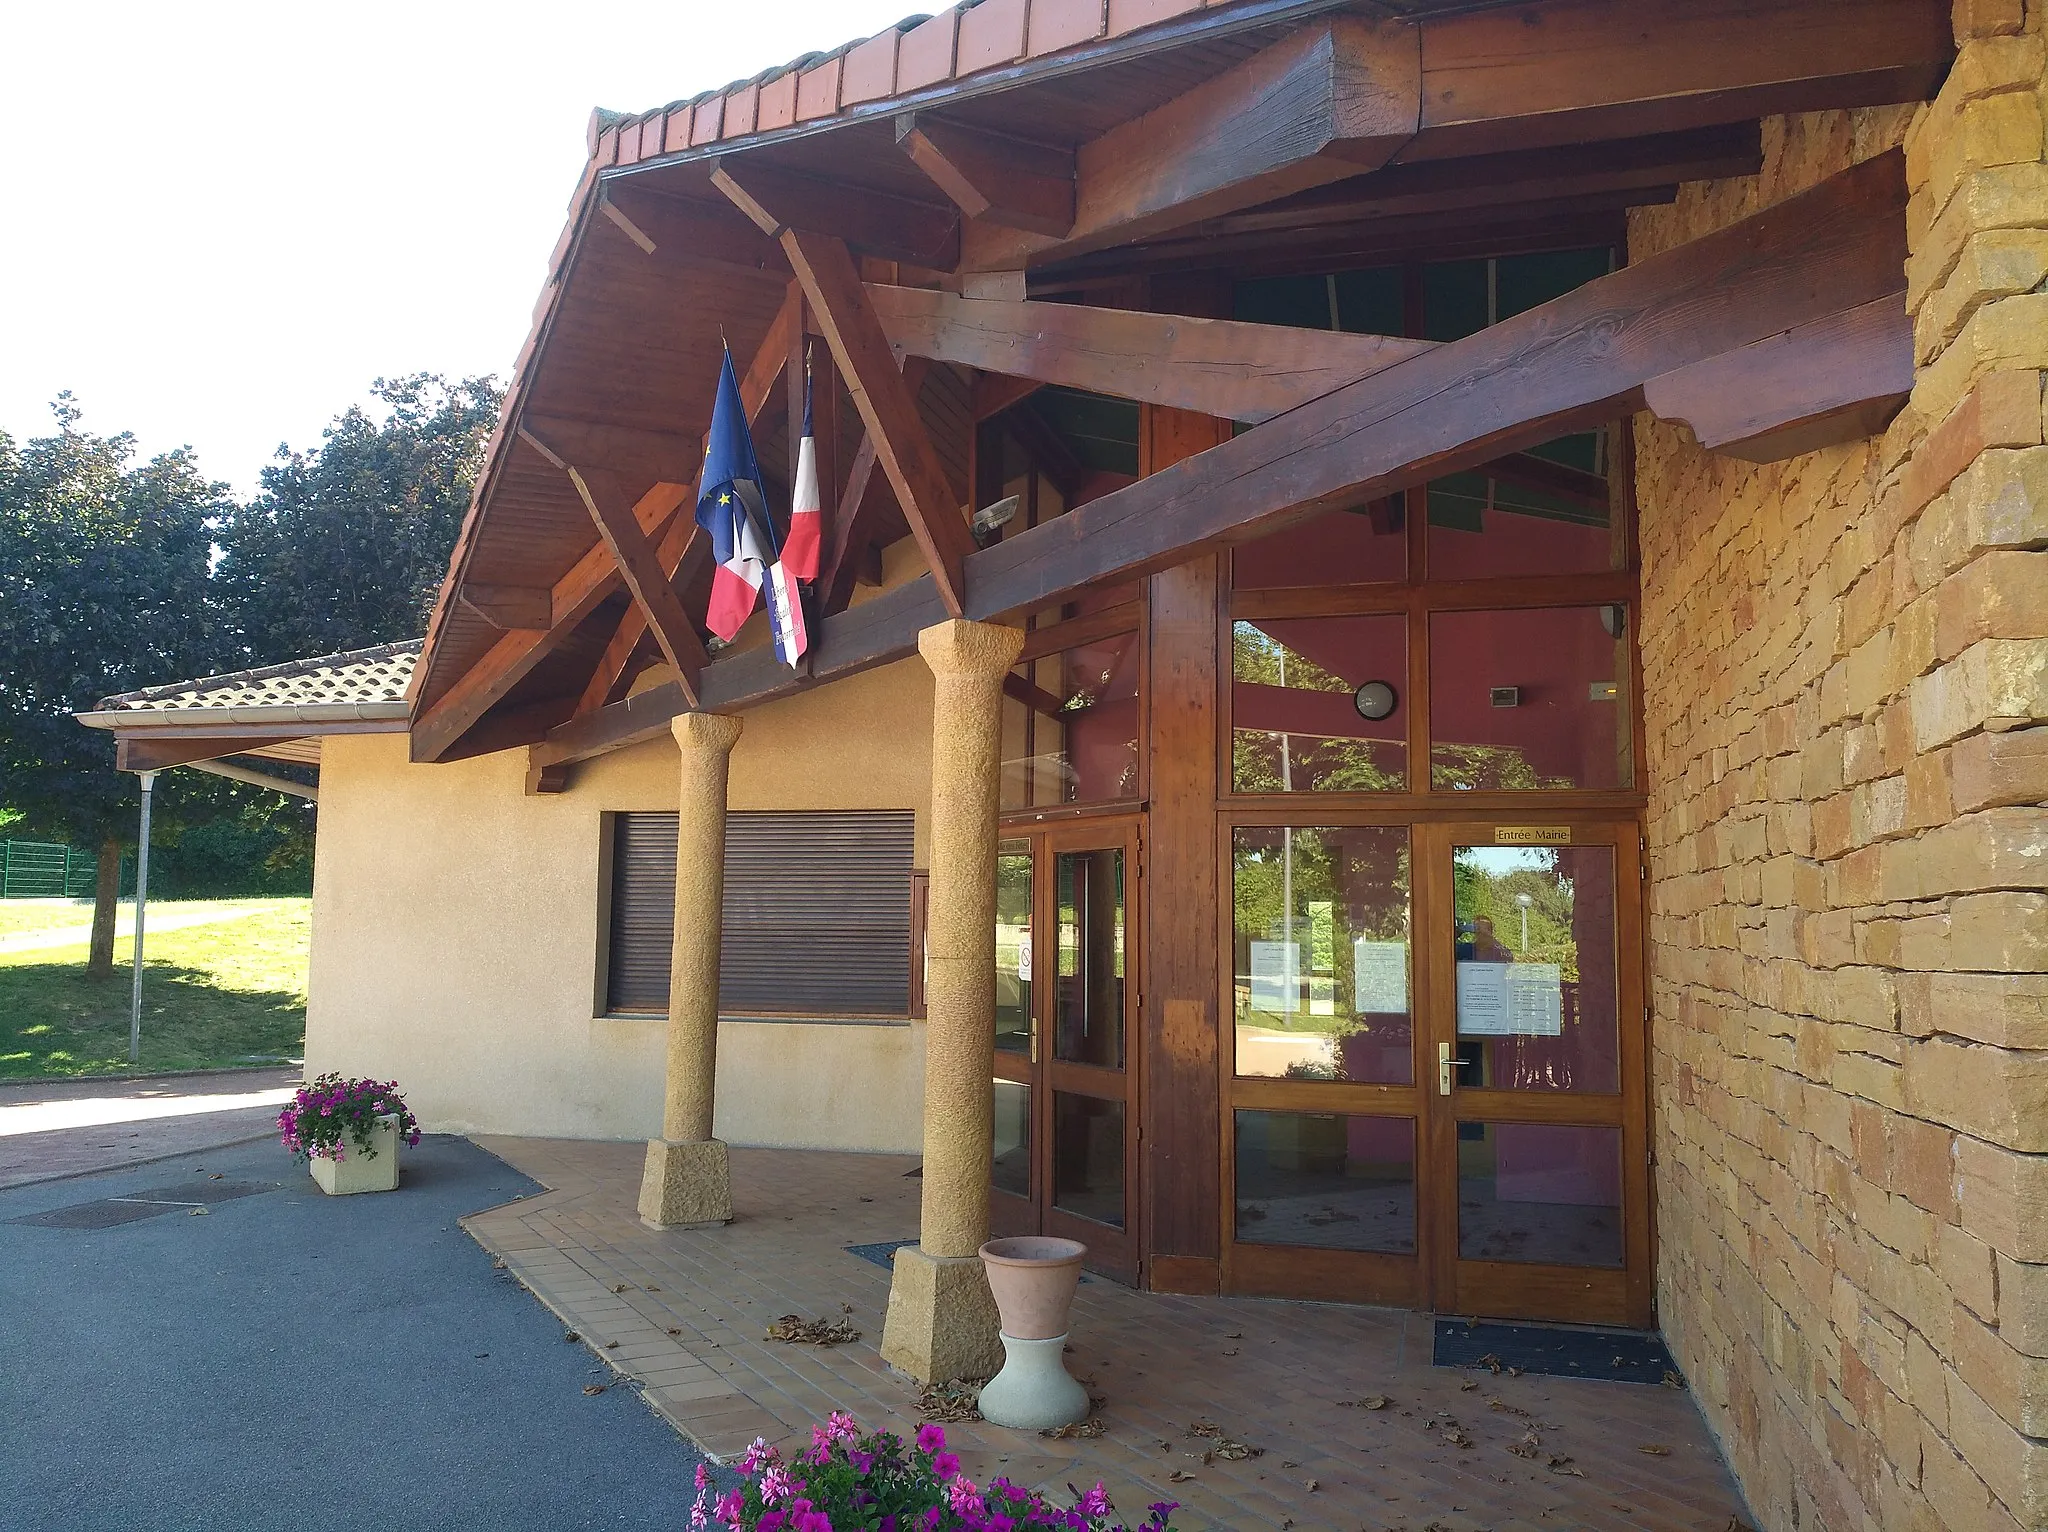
[(1614, 619), (1375, 700)]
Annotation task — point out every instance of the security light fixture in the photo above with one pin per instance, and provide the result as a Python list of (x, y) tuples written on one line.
[(1505, 696), (1001, 514)]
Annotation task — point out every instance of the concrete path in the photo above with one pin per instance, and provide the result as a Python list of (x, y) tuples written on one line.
[(74, 1126), (291, 1361), (124, 925)]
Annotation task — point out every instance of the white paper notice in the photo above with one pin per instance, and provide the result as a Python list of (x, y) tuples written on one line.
[(1536, 999), (1276, 977), (1379, 977), (1483, 999)]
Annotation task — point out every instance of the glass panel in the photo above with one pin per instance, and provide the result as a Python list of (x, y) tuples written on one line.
[(1529, 699), (1365, 302), (1539, 1192), (1070, 726), (1359, 546), (1340, 1183), (1460, 298), (1322, 953), (1536, 968), (1013, 947), (1088, 990), (1545, 511), (1296, 724), (1088, 1157), (1011, 1171)]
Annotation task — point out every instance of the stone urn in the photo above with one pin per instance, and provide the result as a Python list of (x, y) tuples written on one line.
[(361, 1172), (1033, 1279)]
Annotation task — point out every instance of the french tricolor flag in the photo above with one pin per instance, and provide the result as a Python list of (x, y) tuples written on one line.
[(733, 510)]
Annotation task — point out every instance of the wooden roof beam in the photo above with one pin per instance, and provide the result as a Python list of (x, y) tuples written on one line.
[(1321, 105), (1224, 367), (510, 606), (575, 596), (646, 455), (1003, 181), (876, 223), (604, 496), (679, 541), (888, 409), (1575, 361)]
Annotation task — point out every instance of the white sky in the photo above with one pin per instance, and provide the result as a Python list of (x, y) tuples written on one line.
[(224, 220)]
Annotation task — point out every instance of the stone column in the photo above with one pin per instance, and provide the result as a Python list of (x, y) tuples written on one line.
[(686, 1182), (942, 1323)]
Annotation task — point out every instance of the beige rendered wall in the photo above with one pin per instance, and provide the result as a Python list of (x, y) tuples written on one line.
[(455, 933), (1846, 678)]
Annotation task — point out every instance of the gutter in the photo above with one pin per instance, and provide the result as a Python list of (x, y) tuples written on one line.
[(285, 715)]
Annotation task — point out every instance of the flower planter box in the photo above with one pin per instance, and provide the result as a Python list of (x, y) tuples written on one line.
[(361, 1172)]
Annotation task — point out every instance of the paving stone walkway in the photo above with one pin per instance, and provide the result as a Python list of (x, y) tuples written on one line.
[(686, 1311)]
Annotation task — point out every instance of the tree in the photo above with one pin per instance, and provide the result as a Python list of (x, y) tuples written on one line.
[(345, 546), (104, 579)]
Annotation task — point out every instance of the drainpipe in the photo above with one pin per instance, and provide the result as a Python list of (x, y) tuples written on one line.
[(141, 902)]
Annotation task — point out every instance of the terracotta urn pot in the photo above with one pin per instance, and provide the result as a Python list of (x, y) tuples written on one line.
[(1033, 1279)]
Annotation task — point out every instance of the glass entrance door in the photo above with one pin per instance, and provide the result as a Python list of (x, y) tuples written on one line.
[(1066, 1001), (1533, 1038)]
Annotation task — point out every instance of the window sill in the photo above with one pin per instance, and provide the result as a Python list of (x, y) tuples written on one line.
[(661, 1017)]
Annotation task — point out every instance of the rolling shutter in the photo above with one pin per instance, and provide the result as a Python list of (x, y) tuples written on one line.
[(817, 912)]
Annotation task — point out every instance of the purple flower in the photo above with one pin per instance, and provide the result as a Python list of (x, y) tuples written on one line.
[(946, 1466), (776, 1484), (931, 1439), (757, 1455), (703, 1477), (732, 1505), (1094, 1503)]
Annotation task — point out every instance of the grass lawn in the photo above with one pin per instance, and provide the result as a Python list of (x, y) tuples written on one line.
[(19, 917), (212, 995)]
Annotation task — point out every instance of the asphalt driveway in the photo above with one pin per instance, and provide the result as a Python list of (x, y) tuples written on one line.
[(293, 1361)]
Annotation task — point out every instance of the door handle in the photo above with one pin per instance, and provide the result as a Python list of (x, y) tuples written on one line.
[(1444, 1065)]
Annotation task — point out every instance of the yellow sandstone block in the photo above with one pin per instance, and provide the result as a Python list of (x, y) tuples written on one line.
[(1991, 769), (2002, 129), (2006, 333), (2002, 594), (2003, 197), (1995, 263), (1996, 683)]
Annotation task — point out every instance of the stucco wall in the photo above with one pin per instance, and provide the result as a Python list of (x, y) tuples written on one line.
[(455, 933), (1845, 679)]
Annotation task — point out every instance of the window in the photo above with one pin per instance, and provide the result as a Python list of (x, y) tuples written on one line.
[(1071, 728), (817, 919)]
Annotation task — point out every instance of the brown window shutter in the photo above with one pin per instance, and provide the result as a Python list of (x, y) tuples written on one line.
[(817, 912)]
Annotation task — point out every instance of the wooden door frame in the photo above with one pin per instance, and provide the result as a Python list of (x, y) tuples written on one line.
[(1115, 1253), (1516, 1289)]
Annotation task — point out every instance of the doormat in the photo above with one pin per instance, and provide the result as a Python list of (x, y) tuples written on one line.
[(1618, 1356), (883, 1253), (111, 1211)]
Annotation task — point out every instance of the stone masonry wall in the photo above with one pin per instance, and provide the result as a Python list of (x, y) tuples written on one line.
[(1846, 683)]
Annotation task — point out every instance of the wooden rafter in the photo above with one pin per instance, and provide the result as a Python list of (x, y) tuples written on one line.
[(1223, 367), (1003, 181), (839, 302), (510, 606), (612, 513), (1575, 361), (575, 596), (877, 223), (679, 540)]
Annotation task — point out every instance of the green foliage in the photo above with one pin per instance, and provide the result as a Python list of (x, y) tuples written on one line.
[(104, 577), (346, 546)]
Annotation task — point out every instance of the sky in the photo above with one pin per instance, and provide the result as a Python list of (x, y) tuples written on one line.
[(225, 220)]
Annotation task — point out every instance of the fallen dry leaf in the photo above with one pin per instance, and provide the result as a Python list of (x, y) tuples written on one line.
[(1237, 1452), (1233, 1335), (1230, 1351), (950, 1403), (1655, 1449), (1672, 1379), (199, 1212), (1369, 1402), (595, 1388), (1498, 1403), (1312, 1486), (1467, 1386), (611, 1345), (798, 1331), (1085, 1430), (571, 1335), (1180, 1476), (1457, 1438), (622, 1287), (1559, 1463), (1205, 1428), (1489, 1360)]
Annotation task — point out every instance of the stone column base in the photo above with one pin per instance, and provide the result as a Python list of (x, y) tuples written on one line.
[(942, 1322), (686, 1185)]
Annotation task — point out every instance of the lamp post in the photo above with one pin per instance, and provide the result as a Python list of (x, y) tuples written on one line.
[(141, 901), (1525, 900)]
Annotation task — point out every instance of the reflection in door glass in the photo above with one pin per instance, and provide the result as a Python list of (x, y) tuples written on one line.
[(1536, 968), (1529, 699), (1012, 1168), (1088, 1010), (1088, 1157), (1322, 1179), (1539, 1192), (1013, 947), (1321, 953)]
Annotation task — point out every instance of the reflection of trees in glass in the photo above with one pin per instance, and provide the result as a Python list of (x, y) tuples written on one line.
[(1479, 892), (1347, 887), (1318, 764), (1261, 659), (1481, 768)]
